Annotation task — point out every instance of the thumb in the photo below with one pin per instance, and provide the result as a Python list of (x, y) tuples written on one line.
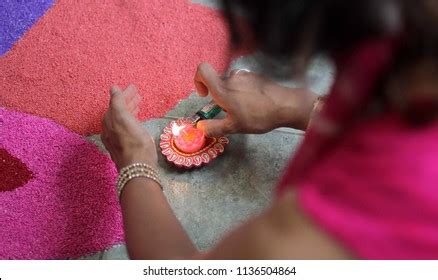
[(216, 127)]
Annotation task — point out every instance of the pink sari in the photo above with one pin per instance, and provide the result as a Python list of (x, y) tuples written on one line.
[(371, 184)]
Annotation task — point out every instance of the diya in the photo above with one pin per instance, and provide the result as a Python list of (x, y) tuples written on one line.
[(186, 146)]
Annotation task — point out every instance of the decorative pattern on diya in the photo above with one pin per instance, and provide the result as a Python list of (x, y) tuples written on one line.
[(213, 147)]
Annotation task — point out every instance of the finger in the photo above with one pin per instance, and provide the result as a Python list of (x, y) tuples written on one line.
[(136, 100), (117, 101), (115, 90), (131, 88), (117, 116), (132, 99), (205, 76), (133, 105), (217, 127), (130, 92), (208, 81)]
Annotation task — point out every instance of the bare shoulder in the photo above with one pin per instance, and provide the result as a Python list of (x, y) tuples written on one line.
[(281, 232)]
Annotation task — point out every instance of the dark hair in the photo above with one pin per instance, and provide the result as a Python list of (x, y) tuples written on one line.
[(286, 28), (279, 27)]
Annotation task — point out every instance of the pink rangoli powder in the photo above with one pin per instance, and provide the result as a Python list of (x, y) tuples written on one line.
[(69, 207)]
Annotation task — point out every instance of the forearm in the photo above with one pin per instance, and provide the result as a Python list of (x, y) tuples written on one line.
[(293, 106), (152, 231)]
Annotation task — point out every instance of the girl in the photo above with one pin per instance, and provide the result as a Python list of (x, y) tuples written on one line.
[(364, 182)]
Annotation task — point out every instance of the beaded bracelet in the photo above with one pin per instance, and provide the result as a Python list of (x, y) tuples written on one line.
[(136, 170)]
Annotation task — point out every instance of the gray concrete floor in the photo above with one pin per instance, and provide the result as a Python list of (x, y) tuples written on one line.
[(237, 185), (209, 3), (212, 200)]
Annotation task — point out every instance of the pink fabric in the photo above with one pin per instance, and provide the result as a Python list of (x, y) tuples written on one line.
[(69, 207), (372, 184), (352, 91), (377, 191)]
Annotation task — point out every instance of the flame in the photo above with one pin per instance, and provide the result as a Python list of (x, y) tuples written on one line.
[(176, 129)]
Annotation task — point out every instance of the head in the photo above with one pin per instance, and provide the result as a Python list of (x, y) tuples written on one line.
[(294, 30)]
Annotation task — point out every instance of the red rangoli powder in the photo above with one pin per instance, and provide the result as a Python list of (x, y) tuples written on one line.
[(13, 172)]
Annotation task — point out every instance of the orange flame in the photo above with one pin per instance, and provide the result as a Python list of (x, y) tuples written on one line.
[(176, 129)]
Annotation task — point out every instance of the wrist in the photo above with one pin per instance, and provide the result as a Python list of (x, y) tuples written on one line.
[(138, 157), (136, 170), (124, 163), (294, 107)]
